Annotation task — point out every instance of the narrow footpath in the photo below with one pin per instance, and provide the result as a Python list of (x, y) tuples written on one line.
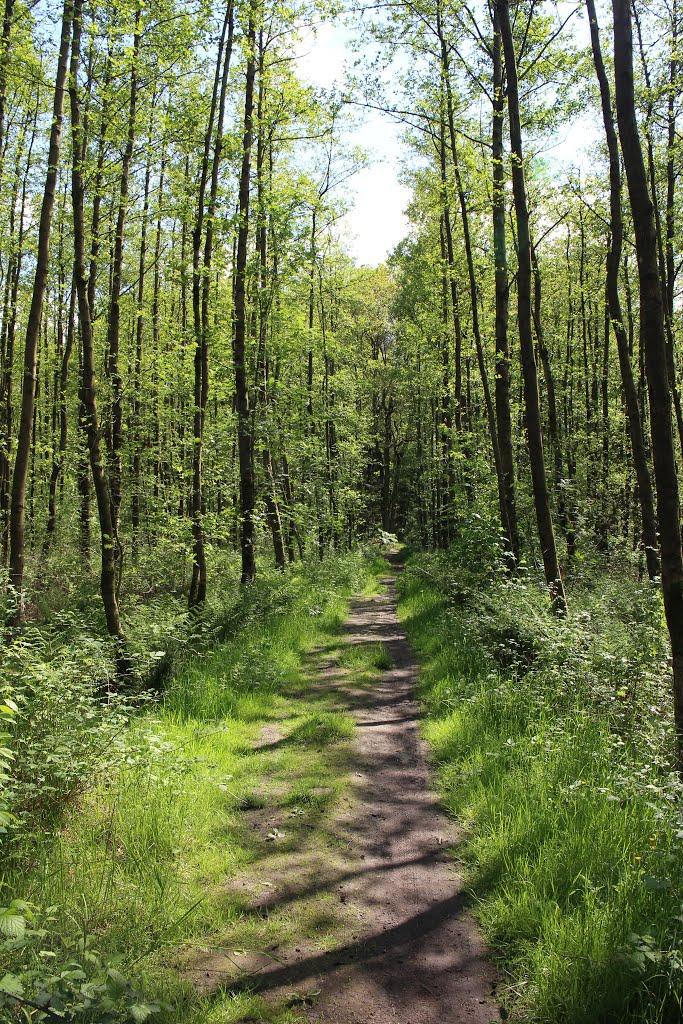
[(416, 955)]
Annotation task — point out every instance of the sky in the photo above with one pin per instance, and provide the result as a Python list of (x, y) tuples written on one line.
[(376, 221)]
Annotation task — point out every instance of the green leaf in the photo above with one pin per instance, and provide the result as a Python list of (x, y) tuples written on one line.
[(11, 985), (142, 1011), (12, 923), (116, 983)]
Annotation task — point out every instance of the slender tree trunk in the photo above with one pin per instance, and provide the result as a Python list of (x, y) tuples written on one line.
[(671, 163), (445, 416), (197, 593), (490, 413), (531, 398), (83, 466), (448, 255), (113, 323), (9, 323), (108, 587), (137, 369), (479, 348), (21, 462), (502, 292), (635, 427), (653, 338), (156, 343), (662, 263), (264, 302), (60, 453), (4, 60), (549, 377), (98, 186), (244, 432)]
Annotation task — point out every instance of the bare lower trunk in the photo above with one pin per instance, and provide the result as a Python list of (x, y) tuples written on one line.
[(60, 453)]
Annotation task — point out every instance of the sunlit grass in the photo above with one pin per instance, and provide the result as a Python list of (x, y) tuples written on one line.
[(569, 865), (235, 769)]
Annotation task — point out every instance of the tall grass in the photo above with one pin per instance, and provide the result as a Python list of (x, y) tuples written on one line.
[(553, 746)]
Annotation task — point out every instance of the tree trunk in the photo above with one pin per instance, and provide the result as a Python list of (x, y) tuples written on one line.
[(531, 398), (264, 304), (60, 454), (4, 59), (9, 324), (635, 427), (490, 413), (549, 377), (662, 263), (671, 172), (113, 322), (502, 293), (197, 593), (89, 395), (137, 370), (244, 432), (653, 338), (21, 463)]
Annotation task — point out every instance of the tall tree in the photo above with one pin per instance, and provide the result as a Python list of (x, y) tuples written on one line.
[(654, 342), (28, 390), (524, 314), (108, 587), (200, 292), (244, 427), (635, 426)]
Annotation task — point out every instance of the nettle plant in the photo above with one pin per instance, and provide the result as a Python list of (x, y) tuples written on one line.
[(89, 988)]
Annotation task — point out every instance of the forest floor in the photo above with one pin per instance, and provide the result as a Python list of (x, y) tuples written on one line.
[(406, 948)]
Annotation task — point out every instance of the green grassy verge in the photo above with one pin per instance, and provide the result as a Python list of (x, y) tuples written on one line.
[(153, 871), (553, 746)]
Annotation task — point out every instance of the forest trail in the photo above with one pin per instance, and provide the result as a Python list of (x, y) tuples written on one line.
[(415, 955)]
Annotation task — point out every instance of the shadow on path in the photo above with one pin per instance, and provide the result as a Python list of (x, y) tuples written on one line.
[(412, 953)]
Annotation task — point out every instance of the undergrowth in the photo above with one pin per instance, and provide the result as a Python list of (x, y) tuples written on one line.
[(126, 818), (553, 740)]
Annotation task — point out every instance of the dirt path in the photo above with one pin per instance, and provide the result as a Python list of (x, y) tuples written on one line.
[(414, 955)]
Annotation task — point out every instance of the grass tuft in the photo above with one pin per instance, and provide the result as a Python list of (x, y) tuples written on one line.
[(323, 727)]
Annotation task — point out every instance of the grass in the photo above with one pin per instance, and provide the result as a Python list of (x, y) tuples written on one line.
[(555, 756), (238, 768), (366, 661)]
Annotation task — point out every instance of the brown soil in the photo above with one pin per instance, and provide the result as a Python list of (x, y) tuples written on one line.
[(409, 952)]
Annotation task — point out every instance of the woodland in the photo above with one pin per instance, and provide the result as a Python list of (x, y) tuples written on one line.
[(214, 425)]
